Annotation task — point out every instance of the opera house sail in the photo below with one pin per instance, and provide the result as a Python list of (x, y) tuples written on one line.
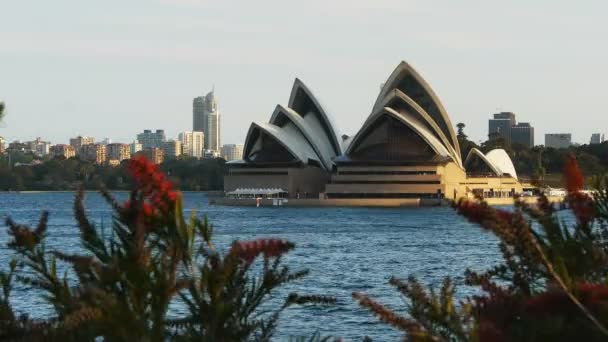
[(406, 148)]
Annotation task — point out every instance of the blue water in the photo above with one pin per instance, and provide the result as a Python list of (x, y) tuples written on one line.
[(345, 249)]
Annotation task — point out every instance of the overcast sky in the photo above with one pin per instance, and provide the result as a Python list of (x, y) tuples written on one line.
[(113, 68)]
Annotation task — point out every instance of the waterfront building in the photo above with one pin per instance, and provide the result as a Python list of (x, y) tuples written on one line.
[(596, 138), (232, 152), (117, 151), (62, 150), (17, 146), (149, 139), (172, 149), (2, 145), (558, 140), (193, 143), (135, 147), (505, 125), (80, 141), (406, 149), (154, 154), (94, 152), (522, 134)]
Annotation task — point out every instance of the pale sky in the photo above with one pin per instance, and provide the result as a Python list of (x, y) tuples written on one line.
[(113, 68)]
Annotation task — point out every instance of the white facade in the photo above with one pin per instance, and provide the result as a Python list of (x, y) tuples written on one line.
[(136, 147), (232, 152), (193, 143), (39, 147), (558, 140)]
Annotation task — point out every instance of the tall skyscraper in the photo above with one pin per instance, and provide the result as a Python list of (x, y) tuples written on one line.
[(2, 147), (149, 139), (198, 114), (207, 119), (505, 126), (193, 143), (596, 138), (558, 140), (501, 125)]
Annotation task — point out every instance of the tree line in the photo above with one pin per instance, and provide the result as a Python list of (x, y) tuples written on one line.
[(61, 174)]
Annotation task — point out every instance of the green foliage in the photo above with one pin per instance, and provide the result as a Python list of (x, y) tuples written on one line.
[(155, 256), (552, 284), (70, 174)]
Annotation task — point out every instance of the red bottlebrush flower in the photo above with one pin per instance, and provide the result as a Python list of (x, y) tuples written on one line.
[(249, 250), (157, 190), (572, 175)]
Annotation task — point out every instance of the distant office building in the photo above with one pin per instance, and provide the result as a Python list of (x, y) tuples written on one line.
[(596, 138), (38, 147), (522, 134), (193, 143), (207, 119), (94, 152), (198, 114), (558, 140), (211, 154), (106, 141), (155, 155), (172, 149), (136, 147), (501, 125), (2, 146), (62, 150), (116, 151), (79, 141), (232, 152), (149, 139)]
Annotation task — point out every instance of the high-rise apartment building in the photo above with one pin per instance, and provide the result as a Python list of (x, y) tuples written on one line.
[(207, 119), (2, 145), (155, 155), (39, 147), (193, 143), (232, 152), (61, 150), (505, 126), (558, 140), (79, 141), (149, 139), (596, 138), (94, 152), (116, 151), (136, 147), (172, 149)]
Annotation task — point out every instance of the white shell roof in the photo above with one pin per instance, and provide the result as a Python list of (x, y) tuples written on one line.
[(290, 138), (497, 160), (311, 129)]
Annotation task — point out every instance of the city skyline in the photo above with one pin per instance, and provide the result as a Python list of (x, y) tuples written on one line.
[(121, 67)]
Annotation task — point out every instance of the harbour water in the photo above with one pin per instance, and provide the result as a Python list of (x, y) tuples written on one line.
[(345, 249)]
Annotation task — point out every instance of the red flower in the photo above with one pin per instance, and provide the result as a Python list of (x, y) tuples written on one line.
[(249, 250), (572, 175), (157, 190)]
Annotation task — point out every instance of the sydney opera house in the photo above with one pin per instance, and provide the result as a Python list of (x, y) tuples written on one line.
[(405, 149)]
